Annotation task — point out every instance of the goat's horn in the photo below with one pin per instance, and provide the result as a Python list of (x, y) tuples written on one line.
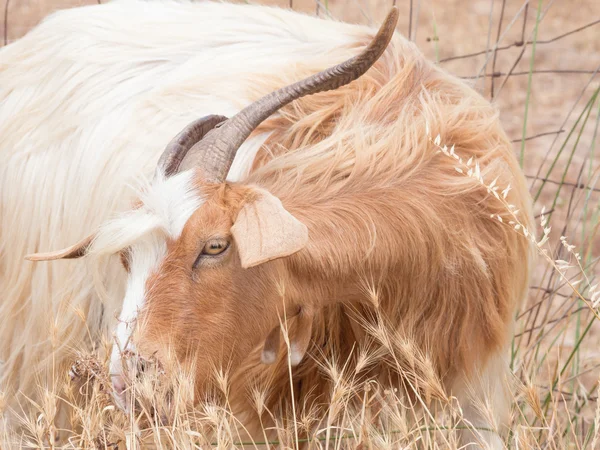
[(179, 146), (214, 154)]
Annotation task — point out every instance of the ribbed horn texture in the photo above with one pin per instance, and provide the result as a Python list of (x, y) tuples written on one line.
[(179, 146), (214, 154)]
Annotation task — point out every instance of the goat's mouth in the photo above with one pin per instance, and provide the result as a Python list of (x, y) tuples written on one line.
[(131, 372)]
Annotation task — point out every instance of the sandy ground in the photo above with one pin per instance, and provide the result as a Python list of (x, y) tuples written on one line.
[(449, 28)]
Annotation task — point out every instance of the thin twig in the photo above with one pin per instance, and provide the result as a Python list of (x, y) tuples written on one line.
[(6, 22), (496, 48), (535, 136), (571, 206), (508, 28), (547, 71), (578, 182), (564, 316), (487, 43), (323, 7), (592, 180), (524, 22), (568, 33), (575, 185), (521, 43), (410, 13), (417, 12), (522, 52), (512, 69), (545, 289), (545, 213), (563, 124), (538, 19), (551, 293), (548, 293)]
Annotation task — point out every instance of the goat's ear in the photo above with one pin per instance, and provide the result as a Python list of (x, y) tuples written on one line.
[(298, 339), (74, 251), (264, 230)]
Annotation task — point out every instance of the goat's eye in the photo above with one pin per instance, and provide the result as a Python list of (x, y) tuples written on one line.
[(211, 250), (215, 247)]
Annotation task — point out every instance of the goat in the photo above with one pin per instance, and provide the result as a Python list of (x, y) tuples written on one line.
[(339, 193)]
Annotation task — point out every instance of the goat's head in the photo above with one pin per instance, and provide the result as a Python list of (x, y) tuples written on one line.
[(198, 276)]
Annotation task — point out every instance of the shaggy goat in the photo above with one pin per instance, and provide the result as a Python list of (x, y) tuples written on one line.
[(339, 196)]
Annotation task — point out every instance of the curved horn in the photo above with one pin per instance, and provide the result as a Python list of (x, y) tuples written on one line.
[(74, 251), (214, 154), (179, 146)]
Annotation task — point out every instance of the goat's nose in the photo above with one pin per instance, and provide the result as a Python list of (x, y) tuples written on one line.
[(120, 370), (120, 391), (119, 385)]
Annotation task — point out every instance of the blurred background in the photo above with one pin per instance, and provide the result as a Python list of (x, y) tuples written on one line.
[(538, 62), (490, 44)]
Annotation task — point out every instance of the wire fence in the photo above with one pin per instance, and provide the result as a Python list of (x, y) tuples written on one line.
[(538, 61)]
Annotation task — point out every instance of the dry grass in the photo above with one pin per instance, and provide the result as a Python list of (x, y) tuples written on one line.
[(547, 93)]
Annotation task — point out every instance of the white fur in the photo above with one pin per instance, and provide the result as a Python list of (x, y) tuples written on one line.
[(485, 402), (88, 101), (296, 355), (240, 168), (167, 204), (268, 356)]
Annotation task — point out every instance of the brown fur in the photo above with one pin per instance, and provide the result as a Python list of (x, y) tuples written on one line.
[(384, 209)]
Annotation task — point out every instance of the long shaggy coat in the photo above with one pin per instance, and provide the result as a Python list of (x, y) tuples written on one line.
[(90, 98)]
